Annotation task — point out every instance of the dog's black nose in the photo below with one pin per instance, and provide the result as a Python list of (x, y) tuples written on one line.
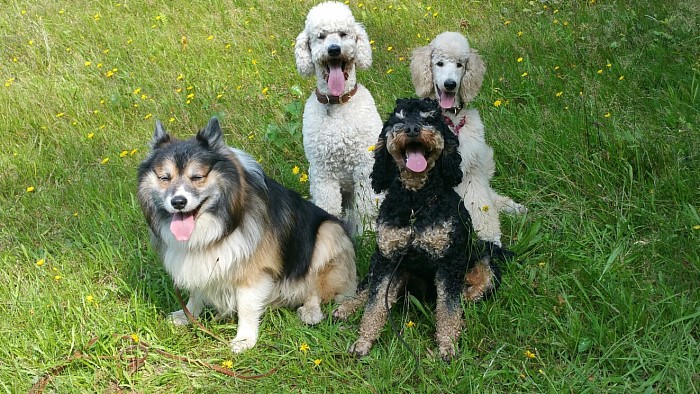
[(450, 84), (178, 202), (412, 130), (334, 50)]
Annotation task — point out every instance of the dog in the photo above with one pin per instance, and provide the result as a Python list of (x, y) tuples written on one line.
[(423, 228), (449, 70), (236, 239), (340, 120)]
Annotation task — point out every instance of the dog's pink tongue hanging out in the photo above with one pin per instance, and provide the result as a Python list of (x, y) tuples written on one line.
[(447, 99), (182, 225), (415, 161), (336, 79)]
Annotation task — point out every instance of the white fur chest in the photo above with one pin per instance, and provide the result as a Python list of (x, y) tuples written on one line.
[(339, 135)]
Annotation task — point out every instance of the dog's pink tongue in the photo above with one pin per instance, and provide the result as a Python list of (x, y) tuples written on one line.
[(415, 161), (182, 225), (447, 99), (336, 80)]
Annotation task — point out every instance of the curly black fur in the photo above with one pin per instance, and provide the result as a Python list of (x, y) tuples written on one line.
[(423, 229)]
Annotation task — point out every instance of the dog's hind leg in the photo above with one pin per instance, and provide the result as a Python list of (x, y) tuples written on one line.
[(195, 305), (507, 205)]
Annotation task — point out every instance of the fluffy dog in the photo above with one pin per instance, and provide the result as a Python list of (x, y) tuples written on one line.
[(236, 239), (449, 70), (340, 120), (423, 229)]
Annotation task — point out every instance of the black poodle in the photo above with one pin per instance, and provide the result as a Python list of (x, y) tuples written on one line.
[(423, 230)]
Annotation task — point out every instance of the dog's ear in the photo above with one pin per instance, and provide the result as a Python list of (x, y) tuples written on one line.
[(160, 136), (451, 161), (383, 169), (211, 136), (473, 77), (364, 48), (302, 55), (422, 71)]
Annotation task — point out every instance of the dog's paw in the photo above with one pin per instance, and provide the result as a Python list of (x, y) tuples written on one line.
[(513, 208), (310, 314), (360, 348), (341, 313), (447, 351), (179, 318), (239, 345)]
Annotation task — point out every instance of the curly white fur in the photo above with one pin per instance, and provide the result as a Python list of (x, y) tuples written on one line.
[(337, 136), (449, 70)]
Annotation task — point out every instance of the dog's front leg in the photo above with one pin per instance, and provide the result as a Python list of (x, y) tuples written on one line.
[(195, 304), (448, 311), (251, 302), (376, 311)]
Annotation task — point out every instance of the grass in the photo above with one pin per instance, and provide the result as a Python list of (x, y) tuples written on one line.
[(591, 107)]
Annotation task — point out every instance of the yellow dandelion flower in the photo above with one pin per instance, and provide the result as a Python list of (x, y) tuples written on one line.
[(497, 103), (89, 298), (529, 354), (566, 23), (31, 42), (390, 48), (123, 153), (485, 208), (622, 77), (190, 87), (90, 135), (600, 71), (137, 90), (371, 148), (148, 116), (30, 189), (541, 264), (96, 17), (99, 65), (389, 71), (57, 277), (540, 371), (265, 90), (559, 94), (304, 347), (401, 58), (133, 151), (410, 324), (251, 136), (303, 178), (506, 23), (87, 63), (228, 364), (520, 34), (317, 361), (178, 90), (210, 38), (106, 51), (109, 74), (556, 68), (520, 60), (60, 114), (220, 95), (9, 82), (105, 160), (696, 227), (40, 262), (180, 77), (608, 65), (295, 170), (190, 96), (171, 120), (435, 14), (524, 74), (607, 115), (135, 338)]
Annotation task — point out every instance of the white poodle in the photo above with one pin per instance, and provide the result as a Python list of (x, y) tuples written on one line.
[(340, 120), (449, 70)]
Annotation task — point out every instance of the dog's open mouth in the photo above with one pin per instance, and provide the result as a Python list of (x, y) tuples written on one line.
[(336, 76), (415, 157), (182, 224), (447, 99)]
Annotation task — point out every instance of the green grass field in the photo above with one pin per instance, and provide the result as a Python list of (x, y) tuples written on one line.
[(592, 110)]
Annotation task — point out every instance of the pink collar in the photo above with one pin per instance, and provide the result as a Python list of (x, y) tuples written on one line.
[(455, 129)]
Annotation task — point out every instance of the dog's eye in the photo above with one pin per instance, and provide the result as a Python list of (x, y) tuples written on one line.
[(321, 36), (460, 65), (439, 64), (343, 34), (196, 178), (164, 177)]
